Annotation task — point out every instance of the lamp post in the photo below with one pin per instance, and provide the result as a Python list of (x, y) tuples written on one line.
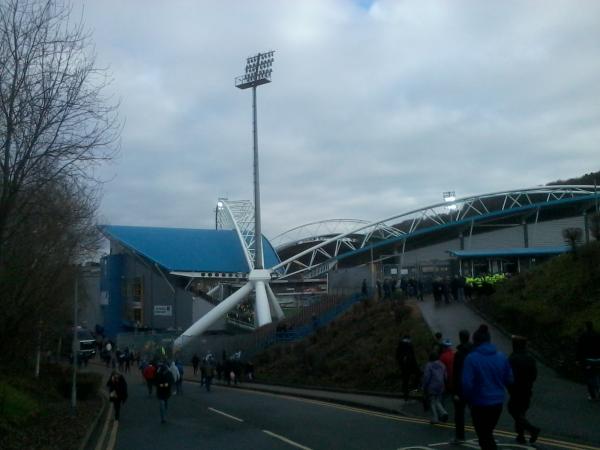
[(75, 346)]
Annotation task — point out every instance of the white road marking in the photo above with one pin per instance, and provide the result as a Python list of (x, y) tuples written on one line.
[(113, 436), (225, 414), (286, 440), (102, 436)]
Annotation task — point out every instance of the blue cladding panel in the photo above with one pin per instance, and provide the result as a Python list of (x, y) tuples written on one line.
[(189, 250), (539, 251)]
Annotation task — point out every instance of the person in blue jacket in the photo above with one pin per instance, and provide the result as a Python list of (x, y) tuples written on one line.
[(486, 374)]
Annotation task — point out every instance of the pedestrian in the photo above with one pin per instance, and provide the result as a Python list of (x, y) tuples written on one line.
[(525, 373), (462, 350), (419, 287), (386, 289), (195, 363), (149, 372), (164, 383), (434, 380), (438, 345), (447, 358), (486, 373), (379, 294), (117, 392), (363, 288), (179, 382), (405, 355), (209, 370), (174, 374), (588, 357)]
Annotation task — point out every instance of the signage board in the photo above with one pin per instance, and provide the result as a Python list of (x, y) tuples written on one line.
[(163, 310)]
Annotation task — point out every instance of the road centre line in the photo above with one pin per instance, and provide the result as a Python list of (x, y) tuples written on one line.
[(286, 440), (225, 414), (542, 440)]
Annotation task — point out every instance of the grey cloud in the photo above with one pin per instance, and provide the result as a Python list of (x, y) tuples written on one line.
[(374, 108)]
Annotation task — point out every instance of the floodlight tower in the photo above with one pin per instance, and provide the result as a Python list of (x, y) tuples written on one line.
[(258, 72)]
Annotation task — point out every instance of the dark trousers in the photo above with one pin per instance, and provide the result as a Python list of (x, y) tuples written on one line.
[(149, 384), (406, 377), (117, 405), (485, 419), (517, 408), (459, 419)]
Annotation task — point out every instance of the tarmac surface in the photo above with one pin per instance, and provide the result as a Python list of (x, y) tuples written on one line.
[(259, 416)]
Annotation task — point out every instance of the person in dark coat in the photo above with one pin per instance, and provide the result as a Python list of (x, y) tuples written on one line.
[(405, 355), (462, 350), (363, 289), (588, 357), (164, 383), (195, 362), (525, 373), (117, 392)]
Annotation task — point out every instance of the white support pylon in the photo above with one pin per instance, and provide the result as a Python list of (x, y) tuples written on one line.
[(274, 303), (265, 299)]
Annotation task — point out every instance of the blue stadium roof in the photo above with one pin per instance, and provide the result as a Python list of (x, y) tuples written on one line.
[(188, 250), (519, 251)]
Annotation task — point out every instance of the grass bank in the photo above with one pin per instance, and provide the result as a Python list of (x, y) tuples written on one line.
[(35, 413), (356, 351), (550, 304)]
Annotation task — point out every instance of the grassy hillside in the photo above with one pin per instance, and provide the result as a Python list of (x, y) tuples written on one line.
[(34, 413), (357, 351), (550, 303)]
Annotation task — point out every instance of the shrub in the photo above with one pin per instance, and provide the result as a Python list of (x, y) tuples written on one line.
[(88, 384)]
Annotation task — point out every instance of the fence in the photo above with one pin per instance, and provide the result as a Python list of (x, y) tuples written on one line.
[(307, 321)]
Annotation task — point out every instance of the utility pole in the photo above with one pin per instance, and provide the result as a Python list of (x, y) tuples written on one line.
[(75, 347)]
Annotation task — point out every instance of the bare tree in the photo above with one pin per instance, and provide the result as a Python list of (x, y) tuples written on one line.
[(55, 124), (54, 118)]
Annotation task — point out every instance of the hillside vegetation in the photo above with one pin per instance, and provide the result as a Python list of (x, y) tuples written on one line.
[(357, 351), (551, 303)]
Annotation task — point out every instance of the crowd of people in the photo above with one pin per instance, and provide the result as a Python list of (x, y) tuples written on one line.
[(476, 375)]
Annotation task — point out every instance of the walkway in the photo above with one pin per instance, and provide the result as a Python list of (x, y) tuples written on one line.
[(560, 407)]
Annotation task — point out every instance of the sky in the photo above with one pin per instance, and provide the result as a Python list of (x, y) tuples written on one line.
[(375, 107)]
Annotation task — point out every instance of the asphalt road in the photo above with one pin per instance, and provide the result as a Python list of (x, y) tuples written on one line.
[(231, 419)]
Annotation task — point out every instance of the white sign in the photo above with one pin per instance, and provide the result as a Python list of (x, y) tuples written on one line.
[(404, 272), (393, 271), (163, 310)]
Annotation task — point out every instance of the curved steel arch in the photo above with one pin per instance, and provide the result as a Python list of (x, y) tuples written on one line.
[(238, 215), (319, 230), (316, 230), (440, 215)]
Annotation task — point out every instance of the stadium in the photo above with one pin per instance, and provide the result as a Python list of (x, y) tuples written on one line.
[(166, 279)]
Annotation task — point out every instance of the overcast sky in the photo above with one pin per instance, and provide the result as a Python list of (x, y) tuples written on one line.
[(375, 107)]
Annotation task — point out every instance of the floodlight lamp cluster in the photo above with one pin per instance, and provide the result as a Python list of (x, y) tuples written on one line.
[(258, 71), (449, 196)]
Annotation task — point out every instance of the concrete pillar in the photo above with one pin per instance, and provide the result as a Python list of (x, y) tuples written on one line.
[(525, 234)]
